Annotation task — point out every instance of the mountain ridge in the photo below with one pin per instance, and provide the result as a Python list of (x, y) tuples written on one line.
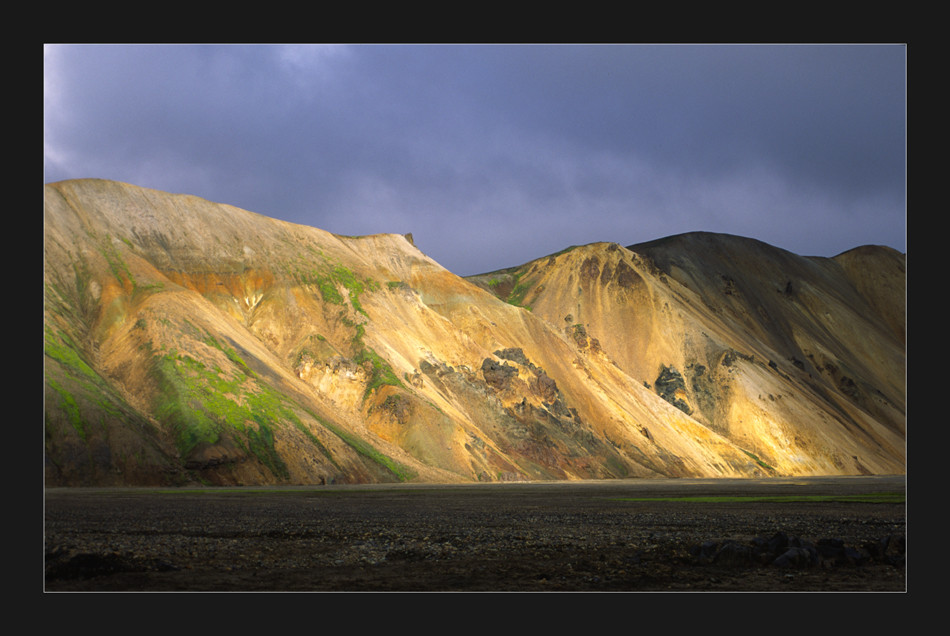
[(194, 342)]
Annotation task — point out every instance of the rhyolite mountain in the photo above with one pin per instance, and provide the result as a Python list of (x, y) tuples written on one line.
[(190, 342)]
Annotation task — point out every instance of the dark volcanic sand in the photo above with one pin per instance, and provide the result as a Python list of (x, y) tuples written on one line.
[(478, 537)]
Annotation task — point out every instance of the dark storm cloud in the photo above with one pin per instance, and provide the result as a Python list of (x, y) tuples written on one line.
[(494, 155)]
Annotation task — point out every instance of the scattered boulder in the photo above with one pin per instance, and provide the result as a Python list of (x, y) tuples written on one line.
[(590, 269), (547, 388), (733, 553), (670, 386), (435, 369), (797, 557), (399, 407), (67, 563), (582, 339), (626, 276), (785, 551), (497, 375), (889, 549), (515, 354)]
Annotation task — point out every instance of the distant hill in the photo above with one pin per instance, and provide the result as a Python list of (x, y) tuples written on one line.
[(191, 342)]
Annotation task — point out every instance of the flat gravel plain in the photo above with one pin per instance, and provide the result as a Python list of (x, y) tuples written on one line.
[(511, 537)]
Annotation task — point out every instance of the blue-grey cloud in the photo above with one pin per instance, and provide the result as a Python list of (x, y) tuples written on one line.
[(494, 155)]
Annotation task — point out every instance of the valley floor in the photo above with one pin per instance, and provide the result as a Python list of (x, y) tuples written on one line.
[(575, 536)]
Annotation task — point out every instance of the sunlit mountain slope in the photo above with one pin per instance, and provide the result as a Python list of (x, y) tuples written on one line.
[(188, 341)]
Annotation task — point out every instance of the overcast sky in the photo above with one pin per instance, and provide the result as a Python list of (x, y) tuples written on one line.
[(495, 155)]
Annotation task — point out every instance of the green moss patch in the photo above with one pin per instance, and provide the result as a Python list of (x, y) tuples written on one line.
[(380, 371), (59, 347), (362, 447), (329, 283), (519, 291), (70, 407), (758, 461), (201, 403)]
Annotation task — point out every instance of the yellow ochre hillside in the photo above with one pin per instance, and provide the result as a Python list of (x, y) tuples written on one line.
[(191, 342)]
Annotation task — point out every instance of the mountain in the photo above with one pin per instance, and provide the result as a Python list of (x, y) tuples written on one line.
[(190, 342)]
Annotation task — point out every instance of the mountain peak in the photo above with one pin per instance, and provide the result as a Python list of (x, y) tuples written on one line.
[(188, 341)]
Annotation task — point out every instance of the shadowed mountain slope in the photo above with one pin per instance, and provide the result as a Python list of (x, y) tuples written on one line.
[(193, 342)]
